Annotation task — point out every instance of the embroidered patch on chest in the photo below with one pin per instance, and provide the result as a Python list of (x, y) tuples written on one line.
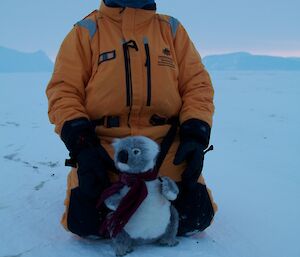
[(166, 61), (166, 58), (166, 52)]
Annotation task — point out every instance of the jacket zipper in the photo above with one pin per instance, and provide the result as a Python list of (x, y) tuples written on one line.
[(148, 65), (129, 93), (127, 74)]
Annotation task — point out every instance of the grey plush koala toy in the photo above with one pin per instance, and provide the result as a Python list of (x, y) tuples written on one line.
[(153, 219)]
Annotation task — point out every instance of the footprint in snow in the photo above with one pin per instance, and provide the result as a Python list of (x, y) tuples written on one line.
[(28, 164), (12, 157), (13, 123), (3, 207), (40, 186), (50, 164), (17, 255)]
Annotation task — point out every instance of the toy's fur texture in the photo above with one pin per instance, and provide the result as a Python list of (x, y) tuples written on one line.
[(142, 153), (156, 220)]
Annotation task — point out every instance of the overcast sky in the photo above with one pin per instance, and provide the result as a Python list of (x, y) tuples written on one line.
[(216, 26)]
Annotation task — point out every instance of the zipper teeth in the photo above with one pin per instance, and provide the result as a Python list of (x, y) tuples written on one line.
[(148, 65), (130, 78), (128, 86)]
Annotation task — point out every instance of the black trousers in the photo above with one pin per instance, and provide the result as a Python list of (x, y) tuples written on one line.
[(193, 205)]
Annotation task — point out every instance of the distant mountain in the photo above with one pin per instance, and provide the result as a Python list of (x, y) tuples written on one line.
[(246, 61), (15, 61)]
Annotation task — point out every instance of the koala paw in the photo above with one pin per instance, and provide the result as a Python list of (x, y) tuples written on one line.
[(122, 251), (122, 244), (168, 242), (169, 188), (112, 202)]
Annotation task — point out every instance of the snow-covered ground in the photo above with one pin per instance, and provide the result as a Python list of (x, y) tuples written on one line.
[(253, 173)]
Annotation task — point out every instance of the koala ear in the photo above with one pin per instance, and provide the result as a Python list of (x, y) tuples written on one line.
[(116, 142)]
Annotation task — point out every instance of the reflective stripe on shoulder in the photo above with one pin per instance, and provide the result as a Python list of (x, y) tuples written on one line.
[(88, 24), (174, 25)]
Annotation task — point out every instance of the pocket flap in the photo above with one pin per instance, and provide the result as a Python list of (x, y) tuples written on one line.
[(106, 56)]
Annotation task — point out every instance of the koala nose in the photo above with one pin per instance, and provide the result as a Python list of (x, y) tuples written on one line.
[(123, 156)]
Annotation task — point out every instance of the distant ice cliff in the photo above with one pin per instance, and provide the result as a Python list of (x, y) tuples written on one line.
[(246, 61), (15, 61)]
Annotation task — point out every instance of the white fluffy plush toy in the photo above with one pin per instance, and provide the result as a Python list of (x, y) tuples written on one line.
[(140, 201)]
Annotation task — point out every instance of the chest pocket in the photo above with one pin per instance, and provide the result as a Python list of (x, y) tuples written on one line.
[(164, 94)]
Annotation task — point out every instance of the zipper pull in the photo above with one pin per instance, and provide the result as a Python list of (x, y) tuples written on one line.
[(131, 43)]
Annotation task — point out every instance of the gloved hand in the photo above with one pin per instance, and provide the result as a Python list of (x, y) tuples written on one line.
[(195, 208), (194, 139), (92, 170), (92, 160)]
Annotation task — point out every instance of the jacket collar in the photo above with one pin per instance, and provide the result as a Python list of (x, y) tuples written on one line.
[(113, 3), (119, 14)]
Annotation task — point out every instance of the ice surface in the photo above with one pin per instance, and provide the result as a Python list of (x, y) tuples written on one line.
[(253, 172)]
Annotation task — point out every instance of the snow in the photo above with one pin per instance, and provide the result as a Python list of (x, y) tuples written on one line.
[(253, 172)]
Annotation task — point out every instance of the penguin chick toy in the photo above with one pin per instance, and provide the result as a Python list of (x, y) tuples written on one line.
[(140, 201)]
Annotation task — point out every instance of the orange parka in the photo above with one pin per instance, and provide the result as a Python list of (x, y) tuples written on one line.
[(131, 64)]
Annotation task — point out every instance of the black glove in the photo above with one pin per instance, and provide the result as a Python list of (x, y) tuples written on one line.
[(93, 161), (194, 207), (194, 139), (83, 217)]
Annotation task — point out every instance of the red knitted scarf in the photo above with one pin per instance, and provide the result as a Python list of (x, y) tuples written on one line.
[(116, 221)]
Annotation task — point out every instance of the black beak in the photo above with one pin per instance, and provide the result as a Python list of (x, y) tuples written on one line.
[(123, 156)]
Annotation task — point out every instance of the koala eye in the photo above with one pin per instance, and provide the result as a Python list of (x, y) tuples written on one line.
[(136, 151)]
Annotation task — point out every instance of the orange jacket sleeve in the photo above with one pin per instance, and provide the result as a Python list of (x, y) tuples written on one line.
[(66, 89), (195, 85)]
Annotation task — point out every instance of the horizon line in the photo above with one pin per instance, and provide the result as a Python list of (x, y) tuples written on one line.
[(282, 54)]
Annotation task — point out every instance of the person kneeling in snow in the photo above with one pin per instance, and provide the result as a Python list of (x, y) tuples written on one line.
[(126, 70)]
